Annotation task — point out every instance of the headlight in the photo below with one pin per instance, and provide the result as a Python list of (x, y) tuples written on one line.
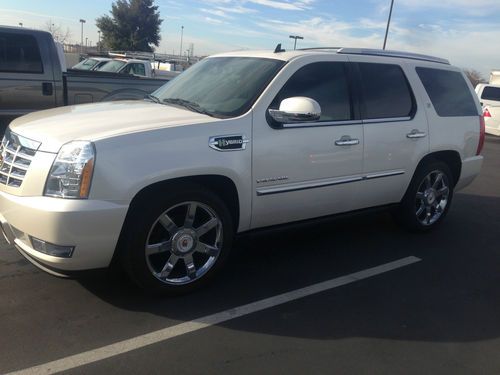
[(71, 173)]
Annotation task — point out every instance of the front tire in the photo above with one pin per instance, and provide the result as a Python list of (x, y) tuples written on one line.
[(177, 240), (428, 198)]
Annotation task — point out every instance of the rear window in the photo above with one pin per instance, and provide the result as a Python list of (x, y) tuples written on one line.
[(386, 92), (19, 53), (448, 92), (491, 93)]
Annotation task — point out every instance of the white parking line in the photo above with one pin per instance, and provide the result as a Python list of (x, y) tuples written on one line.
[(141, 341)]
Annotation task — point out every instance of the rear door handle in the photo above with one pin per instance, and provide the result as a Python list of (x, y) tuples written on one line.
[(346, 141), (415, 133)]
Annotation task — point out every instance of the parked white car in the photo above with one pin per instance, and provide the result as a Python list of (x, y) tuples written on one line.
[(489, 95), (238, 142), (92, 63), (136, 67)]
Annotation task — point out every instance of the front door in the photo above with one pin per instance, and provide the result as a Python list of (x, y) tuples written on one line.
[(307, 170)]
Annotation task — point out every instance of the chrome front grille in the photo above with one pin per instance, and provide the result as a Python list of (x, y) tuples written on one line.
[(16, 154)]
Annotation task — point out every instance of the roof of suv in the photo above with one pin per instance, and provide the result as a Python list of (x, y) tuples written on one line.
[(289, 55)]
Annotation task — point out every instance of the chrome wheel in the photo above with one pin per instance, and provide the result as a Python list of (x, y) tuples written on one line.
[(184, 243), (432, 197)]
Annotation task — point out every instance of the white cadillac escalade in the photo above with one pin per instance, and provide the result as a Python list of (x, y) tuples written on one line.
[(239, 141)]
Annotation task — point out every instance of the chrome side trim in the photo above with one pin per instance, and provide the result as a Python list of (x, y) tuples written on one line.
[(324, 123), (384, 174), (392, 119), (347, 122), (305, 185), (286, 188)]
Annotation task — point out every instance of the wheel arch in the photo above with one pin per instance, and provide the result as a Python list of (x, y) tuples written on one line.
[(219, 184), (450, 157)]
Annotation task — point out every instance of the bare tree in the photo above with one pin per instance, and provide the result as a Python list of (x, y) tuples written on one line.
[(474, 76), (58, 33)]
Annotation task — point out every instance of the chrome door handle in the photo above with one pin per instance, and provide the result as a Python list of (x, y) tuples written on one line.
[(347, 141), (416, 134)]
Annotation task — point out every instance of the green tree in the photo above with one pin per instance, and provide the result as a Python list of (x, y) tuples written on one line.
[(134, 25)]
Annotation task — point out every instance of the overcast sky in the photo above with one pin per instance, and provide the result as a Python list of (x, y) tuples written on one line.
[(465, 31)]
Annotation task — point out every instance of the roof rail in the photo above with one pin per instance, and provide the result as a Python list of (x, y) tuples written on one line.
[(149, 56), (401, 54), (318, 48)]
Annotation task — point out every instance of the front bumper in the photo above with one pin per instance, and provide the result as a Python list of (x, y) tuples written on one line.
[(92, 227)]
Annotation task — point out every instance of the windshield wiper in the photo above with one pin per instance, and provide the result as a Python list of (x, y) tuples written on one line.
[(152, 98), (192, 106)]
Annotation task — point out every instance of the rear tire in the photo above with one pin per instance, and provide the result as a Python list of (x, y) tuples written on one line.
[(428, 198), (176, 240)]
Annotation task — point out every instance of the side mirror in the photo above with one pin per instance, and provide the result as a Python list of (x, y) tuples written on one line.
[(295, 110)]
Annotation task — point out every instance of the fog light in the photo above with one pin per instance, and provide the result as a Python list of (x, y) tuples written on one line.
[(51, 249)]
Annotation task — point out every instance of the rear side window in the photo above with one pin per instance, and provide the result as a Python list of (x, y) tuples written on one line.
[(491, 93), (19, 53), (138, 69), (325, 82), (386, 92), (448, 92)]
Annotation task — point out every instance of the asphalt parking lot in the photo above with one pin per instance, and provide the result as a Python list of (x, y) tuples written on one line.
[(440, 314)]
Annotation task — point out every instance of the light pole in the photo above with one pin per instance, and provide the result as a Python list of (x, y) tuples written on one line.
[(295, 41), (82, 21), (388, 23), (182, 34), (99, 43)]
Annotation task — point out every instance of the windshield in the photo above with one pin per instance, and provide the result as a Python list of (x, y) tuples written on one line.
[(87, 64), (220, 86), (112, 66)]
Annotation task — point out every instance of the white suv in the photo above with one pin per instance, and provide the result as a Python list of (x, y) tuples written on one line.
[(239, 141)]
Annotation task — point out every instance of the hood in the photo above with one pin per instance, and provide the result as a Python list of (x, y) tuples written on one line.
[(90, 122)]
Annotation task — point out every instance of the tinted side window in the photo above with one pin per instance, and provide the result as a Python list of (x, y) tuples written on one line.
[(138, 69), (325, 82), (491, 93), (127, 69), (385, 91), (448, 92), (19, 53)]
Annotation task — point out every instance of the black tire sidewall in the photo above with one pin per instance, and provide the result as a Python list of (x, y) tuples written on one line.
[(406, 212), (138, 225)]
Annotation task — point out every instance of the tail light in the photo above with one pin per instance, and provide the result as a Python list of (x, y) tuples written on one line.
[(486, 113), (481, 135)]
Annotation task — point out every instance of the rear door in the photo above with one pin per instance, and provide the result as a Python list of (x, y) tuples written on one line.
[(26, 74), (395, 129)]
